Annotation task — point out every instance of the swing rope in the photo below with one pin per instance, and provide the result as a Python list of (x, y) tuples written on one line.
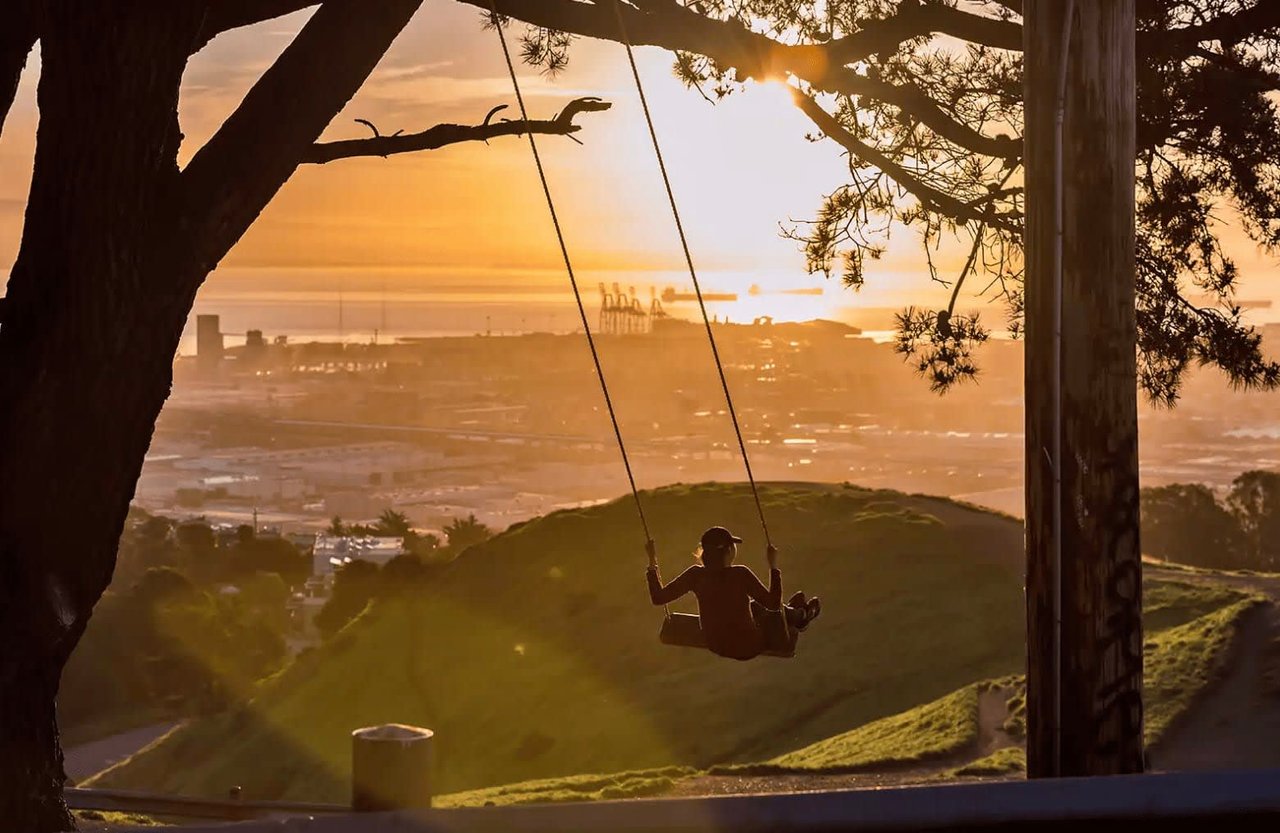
[(568, 265), (688, 258)]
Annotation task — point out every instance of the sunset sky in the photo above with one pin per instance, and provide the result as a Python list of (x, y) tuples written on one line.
[(466, 212)]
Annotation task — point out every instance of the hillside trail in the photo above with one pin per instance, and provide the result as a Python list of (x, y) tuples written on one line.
[(1267, 584), (93, 757), (993, 711), (1236, 722), (1236, 725)]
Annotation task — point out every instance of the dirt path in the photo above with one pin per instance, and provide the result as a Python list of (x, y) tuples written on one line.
[(993, 711), (91, 758), (1237, 724), (1268, 584)]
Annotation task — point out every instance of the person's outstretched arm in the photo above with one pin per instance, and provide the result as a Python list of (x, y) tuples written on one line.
[(683, 583), (772, 597)]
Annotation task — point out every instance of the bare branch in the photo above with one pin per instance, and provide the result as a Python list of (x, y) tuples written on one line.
[(495, 111), (967, 269), (450, 134), (373, 127), (225, 15)]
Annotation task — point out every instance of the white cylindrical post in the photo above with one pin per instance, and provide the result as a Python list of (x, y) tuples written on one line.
[(391, 768)]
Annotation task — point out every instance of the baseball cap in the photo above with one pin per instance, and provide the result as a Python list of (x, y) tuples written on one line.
[(717, 537)]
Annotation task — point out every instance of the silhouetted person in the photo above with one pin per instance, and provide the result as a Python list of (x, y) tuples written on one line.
[(731, 601)]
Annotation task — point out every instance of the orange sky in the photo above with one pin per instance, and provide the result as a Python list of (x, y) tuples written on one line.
[(740, 168)]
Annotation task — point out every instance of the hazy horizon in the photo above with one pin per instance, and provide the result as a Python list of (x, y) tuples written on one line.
[(418, 218)]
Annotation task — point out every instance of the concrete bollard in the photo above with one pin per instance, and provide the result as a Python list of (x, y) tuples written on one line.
[(391, 768)]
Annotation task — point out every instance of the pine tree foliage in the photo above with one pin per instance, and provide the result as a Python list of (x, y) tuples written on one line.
[(925, 97)]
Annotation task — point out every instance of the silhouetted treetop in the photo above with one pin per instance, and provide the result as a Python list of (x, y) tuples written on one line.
[(925, 97)]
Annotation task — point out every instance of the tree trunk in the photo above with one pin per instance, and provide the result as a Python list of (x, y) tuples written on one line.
[(96, 304), (1099, 682), (116, 243), (17, 38), (32, 759)]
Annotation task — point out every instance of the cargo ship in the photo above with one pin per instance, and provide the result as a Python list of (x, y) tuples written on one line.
[(669, 295)]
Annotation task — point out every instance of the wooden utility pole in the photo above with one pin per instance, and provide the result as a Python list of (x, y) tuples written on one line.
[(1084, 679)]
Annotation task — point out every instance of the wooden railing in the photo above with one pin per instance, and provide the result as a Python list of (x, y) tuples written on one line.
[(1248, 800)]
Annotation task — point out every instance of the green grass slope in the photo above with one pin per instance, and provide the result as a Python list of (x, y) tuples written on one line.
[(1181, 661), (639, 784), (1191, 627), (536, 655), (945, 726)]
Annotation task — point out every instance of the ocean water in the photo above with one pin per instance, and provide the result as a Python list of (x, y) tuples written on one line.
[(354, 305), (304, 311)]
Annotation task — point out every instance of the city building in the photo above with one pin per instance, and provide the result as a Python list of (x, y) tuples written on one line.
[(209, 346), (332, 551)]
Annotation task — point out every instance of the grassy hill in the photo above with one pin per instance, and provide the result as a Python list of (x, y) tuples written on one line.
[(1191, 625), (536, 655)]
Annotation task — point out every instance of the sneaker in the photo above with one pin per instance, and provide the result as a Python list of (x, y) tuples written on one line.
[(812, 608), (797, 599)]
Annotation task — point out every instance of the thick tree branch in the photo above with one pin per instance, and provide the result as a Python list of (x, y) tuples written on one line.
[(225, 15), (1252, 78), (450, 134), (667, 24), (913, 20), (935, 199), (914, 102), (18, 35), (1228, 28), (233, 177)]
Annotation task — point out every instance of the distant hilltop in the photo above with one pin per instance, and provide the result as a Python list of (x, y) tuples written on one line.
[(803, 290), (670, 295), (823, 326), (670, 326)]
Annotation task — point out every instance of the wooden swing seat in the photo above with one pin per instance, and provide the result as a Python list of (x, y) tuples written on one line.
[(684, 630)]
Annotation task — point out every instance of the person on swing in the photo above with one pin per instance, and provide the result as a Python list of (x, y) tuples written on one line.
[(731, 600)]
